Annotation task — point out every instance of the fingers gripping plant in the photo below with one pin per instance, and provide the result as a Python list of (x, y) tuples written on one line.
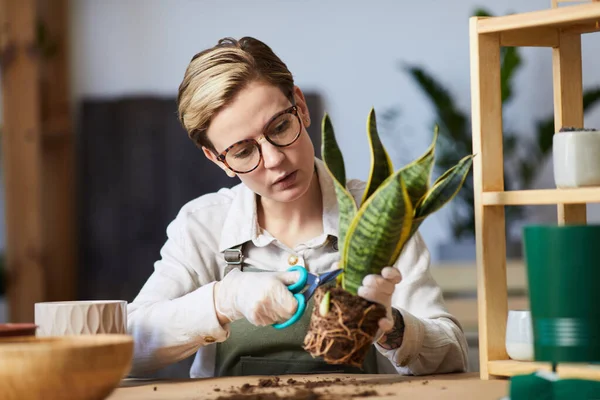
[(372, 236)]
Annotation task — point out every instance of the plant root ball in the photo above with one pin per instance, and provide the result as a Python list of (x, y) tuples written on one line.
[(345, 334)]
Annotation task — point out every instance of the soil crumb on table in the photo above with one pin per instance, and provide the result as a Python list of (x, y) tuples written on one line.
[(299, 394), (299, 390)]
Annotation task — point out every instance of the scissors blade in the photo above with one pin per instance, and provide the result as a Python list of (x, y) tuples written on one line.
[(318, 281), (310, 279), (329, 276)]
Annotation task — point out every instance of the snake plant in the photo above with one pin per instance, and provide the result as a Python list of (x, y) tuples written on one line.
[(373, 233)]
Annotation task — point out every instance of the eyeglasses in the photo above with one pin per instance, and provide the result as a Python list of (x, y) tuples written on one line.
[(281, 131)]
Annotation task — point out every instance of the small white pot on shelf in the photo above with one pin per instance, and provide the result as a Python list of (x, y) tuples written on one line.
[(519, 335), (576, 157)]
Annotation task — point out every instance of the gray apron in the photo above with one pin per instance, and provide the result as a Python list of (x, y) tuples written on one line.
[(254, 350)]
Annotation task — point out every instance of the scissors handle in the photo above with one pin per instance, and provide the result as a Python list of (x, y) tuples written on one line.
[(297, 315), (295, 288)]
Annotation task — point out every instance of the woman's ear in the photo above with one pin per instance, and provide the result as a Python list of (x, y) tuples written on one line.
[(303, 108), (211, 156)]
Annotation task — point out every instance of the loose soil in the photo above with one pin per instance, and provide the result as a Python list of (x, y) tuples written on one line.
[(345, 334), (299, 390)]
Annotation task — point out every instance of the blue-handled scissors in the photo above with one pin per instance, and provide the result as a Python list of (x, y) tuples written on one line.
[(313, 281)]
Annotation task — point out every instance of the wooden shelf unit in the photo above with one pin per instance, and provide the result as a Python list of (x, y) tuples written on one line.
[(561, 29)]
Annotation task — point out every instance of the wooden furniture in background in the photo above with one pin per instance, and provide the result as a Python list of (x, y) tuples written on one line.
[(21, 157), (37, 145), (560, 29), (58, 156)]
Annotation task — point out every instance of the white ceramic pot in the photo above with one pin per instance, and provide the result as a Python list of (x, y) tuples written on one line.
[(81, 317), (576, 158), (519, 335)]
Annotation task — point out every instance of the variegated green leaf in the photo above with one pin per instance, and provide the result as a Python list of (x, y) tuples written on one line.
[(346, 212), (381, 164), (378, 232), (444, 188), (417, 174), (416, 223), (332, 155), (334, 161)]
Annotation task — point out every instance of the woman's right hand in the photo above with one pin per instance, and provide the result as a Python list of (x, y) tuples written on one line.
[(261, 297)]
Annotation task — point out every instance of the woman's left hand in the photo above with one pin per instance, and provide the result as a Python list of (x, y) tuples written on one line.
[(379, 289)]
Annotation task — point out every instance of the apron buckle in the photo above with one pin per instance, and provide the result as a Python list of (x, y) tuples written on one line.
[(233, 256)]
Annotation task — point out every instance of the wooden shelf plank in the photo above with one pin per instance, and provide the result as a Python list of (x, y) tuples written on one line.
[(542, 196), (533, 37), (508, 368), (564, 17)]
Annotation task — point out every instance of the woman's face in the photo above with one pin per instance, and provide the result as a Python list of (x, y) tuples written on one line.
[(284, 173)]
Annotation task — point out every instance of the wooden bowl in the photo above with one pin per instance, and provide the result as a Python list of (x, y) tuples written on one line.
[(85, 367), (17, 329)]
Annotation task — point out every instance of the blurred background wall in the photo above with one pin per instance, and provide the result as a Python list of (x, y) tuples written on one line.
[(349, 53), (137, 167)]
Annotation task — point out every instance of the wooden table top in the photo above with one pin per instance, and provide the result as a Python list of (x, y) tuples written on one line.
[(335, 387)]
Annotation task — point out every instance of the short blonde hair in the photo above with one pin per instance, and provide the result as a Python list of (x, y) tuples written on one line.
[(215, 75)]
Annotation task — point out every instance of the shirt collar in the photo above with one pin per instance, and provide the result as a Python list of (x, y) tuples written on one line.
[(241, 222)]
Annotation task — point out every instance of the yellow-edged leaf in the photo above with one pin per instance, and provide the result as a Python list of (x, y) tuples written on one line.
[(378, 232), (381, 164), (444, 188), (334, 161), (332, 155)]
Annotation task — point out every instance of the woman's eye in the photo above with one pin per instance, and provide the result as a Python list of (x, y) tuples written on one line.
[(243, 153), (281, 127)]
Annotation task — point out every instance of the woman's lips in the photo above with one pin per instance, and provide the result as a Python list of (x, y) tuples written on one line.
[(286, 181)]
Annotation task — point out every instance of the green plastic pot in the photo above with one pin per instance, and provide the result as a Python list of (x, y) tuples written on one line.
[(563, 269)]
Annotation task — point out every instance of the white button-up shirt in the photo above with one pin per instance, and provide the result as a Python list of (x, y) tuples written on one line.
[(174, 315)]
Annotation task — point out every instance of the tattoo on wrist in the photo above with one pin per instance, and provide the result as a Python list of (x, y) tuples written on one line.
[(393, 339)]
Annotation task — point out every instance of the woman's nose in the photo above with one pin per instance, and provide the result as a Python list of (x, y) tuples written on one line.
[(272, 155)]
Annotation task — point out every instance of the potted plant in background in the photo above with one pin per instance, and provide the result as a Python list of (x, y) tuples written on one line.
[(576, 157), (372, 235), (522, 155)]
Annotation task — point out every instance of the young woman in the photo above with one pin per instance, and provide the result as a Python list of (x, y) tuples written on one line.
[(221, 280)]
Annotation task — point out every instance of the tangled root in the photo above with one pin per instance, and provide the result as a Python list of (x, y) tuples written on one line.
[(345, 334)]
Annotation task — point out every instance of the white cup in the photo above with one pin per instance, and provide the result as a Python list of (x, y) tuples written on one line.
[(81, 317), (519, 335), (576, 158)]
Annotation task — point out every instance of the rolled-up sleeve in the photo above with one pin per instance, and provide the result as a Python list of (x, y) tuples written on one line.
[(434, 341), (174, 313)]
